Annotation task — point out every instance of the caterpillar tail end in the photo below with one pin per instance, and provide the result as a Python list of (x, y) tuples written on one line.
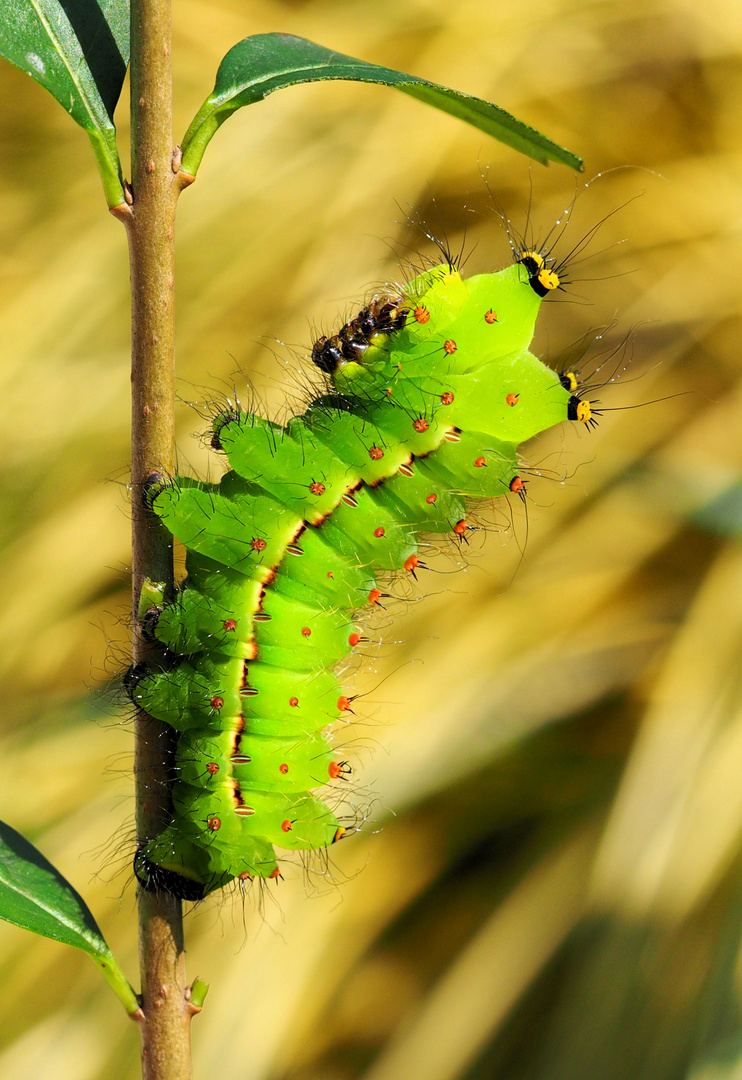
[(153, 879)]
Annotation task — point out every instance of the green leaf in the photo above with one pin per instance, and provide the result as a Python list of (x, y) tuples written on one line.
[(78, 50), (35, 896), (258, 65)]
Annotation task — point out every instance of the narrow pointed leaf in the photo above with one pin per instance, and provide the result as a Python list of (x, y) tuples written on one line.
[(258, 65), (35, 896), (78, 50)]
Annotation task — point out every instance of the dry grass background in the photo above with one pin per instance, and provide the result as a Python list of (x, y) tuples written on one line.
[(555, 893)]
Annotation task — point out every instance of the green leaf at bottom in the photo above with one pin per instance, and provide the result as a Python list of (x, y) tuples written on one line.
[(35, 896)]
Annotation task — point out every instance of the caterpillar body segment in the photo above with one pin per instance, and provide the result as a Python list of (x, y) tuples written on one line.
[(431, 392)]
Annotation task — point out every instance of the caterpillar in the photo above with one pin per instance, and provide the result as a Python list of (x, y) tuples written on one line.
[(430, 389)]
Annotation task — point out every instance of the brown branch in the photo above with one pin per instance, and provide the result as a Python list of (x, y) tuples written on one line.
[(149, 217)]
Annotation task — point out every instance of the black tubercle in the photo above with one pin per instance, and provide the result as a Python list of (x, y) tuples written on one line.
[(153, 485), (219, 423), (149, 623), (384, 315), (132, 678), (153, 878), (326, 354)]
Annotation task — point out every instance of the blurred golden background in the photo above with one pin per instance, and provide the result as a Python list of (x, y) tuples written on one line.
[(548, 886)]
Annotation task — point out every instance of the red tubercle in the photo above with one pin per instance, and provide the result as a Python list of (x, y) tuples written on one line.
[(376, 453), (335, 770), (213, 824), (411, 564), (447, 398), (306, 632), (258, 543), (450, 347), (230, 625), (421, 314), (287, 826), (480, 462), (293, 702), (431, 499), (421, 424), (212, 768), (330, 574), (317, 488), (490, 316), (275, 873), (217, 702), (512, 399), (518, 485), (461, 527), (379, 532), (283, 768), (344, 703), (374, 596), (353, 640)]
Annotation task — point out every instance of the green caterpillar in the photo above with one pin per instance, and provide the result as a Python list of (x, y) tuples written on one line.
[(431, 391)]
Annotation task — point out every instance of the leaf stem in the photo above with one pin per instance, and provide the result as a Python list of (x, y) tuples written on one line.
[(149, 216)]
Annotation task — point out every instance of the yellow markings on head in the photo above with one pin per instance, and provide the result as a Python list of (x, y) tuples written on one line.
[(577, 409), (540, 278), (569, 381), (548, 280), (584, 412), (535, 258)]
